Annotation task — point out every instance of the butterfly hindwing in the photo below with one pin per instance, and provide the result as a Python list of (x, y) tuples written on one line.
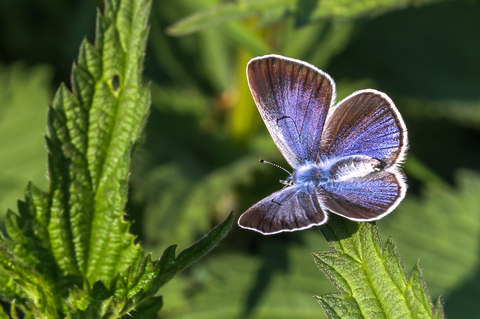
[(364, 198), (293, 98), (289, 209)]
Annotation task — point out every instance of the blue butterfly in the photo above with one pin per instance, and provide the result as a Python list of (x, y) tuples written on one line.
[(346, 157)]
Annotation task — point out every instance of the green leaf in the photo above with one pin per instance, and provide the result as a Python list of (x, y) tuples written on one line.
[(371, 278), (441, 227), (438, 310), (35, 297), (3, 314), (129, 289), (186, 201), (223, 13), (272, 281), (339, 305), (13, 311), (303, 10), (76, 230)]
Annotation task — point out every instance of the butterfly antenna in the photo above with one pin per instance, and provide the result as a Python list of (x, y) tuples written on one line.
[(273, 164)]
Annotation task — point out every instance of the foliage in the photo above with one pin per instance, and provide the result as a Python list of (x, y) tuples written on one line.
[(303, 11), (75, 234), (21, 127), (198, 157), (371, 279)]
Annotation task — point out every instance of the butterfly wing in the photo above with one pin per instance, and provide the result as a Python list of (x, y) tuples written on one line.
[(365, 123), (290, 209), (293, 98), (365, 198)]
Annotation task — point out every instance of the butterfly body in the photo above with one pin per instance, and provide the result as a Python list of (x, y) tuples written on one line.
[(315, 173), (341, 169), (346, 157)]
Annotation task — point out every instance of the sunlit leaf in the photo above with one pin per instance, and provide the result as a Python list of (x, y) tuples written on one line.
[(442, 229), (75, 231), (132, 287), (371, 278)]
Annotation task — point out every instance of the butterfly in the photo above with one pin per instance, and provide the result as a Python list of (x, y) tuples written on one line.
[(346, 157)]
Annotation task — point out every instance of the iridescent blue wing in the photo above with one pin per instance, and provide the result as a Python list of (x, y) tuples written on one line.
[(365, 123), (290, 209), (365, 198), (293, 98)]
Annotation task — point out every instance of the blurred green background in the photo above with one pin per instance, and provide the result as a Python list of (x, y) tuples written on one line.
[(198, 159)]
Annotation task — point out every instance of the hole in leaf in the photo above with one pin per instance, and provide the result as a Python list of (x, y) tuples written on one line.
[(115, 81)]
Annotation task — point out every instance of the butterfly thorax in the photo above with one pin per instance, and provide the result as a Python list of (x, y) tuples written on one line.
[(335, 170), (311, 173)]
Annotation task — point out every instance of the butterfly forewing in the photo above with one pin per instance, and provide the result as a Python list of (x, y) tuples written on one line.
[(365, 123), (290, 209), (293, 98)]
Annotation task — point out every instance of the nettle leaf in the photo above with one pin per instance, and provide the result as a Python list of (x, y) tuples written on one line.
[(76, 231), (372, 280), (442, 227), (63, 240), (131, 288), (304, 11)]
